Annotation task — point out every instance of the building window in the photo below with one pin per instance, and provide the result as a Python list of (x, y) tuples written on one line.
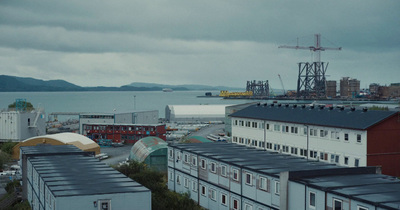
[(362, 208), (213, 194), (171, 153), (285, 149), (303, 152), (358, 138), (171, 176), (178, 155), (235, 139), (104, 204), (356, 162), (203, 190), (248, 206), (313, 154), (264, 184), (277, 147), (249, 178), (277, 128), (346, 160), (235, 204), (186, 158), (323, 133), (254, 124), (293, 129), (178, 179), (312, 199), (305, 131), (203, 164), (334, 158), (269, 145), (223, 170), (335, 135), (293, 150), (337, 204), (186, 182), (346, 136), (223, 199), (194, 161), (235, 175), (213, 167), (277, 187), (194, 186)]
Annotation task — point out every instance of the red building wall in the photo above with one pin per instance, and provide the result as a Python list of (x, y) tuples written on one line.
[(383, 147)]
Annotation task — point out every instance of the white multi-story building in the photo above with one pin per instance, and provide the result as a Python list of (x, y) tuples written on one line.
[(346, 137), (20, 125), (234, 177)]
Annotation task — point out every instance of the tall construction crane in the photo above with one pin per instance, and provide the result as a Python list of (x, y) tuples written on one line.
[(316, 49), (284, 91), (312, 75)]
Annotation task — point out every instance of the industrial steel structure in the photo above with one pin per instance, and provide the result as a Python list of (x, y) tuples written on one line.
[(259, 88), (311, 80)]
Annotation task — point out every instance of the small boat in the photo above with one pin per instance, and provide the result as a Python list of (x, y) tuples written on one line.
[(167, 90)]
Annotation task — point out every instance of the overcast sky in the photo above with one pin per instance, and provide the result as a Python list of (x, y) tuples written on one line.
[(212, 42)]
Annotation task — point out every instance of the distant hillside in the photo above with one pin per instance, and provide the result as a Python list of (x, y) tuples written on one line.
[(26, 84), (183, 87)]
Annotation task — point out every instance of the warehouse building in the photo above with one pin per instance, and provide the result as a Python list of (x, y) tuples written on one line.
[(346, 137), (135, 117), (80, 141), (230, 176), (195, 113), (64, 177)]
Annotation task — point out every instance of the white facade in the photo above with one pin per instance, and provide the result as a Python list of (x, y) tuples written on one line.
[(17, 125), (345, 147), (202, 113)]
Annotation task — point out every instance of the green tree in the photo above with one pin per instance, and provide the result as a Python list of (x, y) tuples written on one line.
[(4, 158), (161, 197), (29, 106), (8, 147)]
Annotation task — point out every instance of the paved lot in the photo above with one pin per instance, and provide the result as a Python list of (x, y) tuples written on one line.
[(116, 154)]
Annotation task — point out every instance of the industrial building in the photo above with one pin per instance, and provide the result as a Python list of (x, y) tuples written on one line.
[(152, 151), (232, 177), (349, 88), (18, 125), (194, 113), (122, 133), (135, 117), (343, 136), (64, 177), (331, 89)]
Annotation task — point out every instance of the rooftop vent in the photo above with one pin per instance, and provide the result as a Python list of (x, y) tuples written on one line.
[(365, 109)]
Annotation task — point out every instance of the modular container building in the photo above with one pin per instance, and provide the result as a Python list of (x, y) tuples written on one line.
[(152, 151), (58, 177), (195, 113)]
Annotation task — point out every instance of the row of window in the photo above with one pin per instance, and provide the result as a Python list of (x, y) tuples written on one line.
[(212, 193), (295, 130), (323, 156), (117, 128)]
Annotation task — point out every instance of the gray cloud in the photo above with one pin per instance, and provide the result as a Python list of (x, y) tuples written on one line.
[(210, 42)]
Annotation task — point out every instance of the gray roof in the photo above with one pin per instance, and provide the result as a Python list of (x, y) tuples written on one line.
[(331, 117), (73, 175), (356, 183), (263, 162), (375, 189)]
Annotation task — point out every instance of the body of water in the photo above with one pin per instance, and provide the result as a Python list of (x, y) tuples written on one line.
[(124, 101)]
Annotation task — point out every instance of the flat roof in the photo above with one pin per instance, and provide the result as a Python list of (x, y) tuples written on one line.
[(360, 183), (263, 162), (47, 149), (75, 175), (321, 116)]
